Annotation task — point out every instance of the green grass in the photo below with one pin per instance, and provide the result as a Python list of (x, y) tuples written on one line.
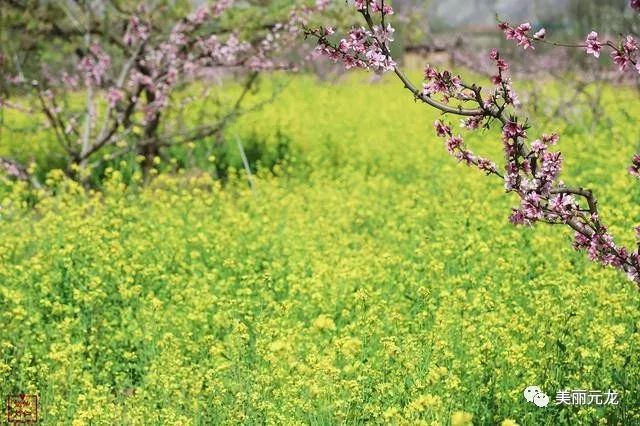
[(369, 279)]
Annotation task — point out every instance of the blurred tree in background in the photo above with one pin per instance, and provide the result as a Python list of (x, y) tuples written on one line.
[(134, 61)]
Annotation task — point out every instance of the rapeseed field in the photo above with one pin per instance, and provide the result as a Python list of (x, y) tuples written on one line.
[(367, 278)]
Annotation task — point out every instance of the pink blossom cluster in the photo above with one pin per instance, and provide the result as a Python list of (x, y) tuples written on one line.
[(264, 54), (220, 6), (374, 6), (207, 11), (532, 176), (114, 95), (593, 45), (562, 207), (520, 34), (361, 48), (160, 61), (185, 52), (623, 53), (69, 80), (456, 147), (503, 89), (136, 31), (94, 65), (601, 248), (444, 83)]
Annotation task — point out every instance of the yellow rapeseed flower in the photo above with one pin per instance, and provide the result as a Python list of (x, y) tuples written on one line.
[(461, 418)]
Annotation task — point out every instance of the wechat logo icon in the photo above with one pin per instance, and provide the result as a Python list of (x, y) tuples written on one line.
[(535, 395)]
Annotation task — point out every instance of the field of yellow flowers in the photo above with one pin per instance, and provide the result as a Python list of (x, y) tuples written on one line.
[(368, 279)]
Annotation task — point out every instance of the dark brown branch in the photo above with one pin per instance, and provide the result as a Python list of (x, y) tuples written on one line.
[(56, 124), (586, 193)]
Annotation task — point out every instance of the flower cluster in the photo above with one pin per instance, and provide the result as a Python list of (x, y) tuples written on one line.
[(532, 175), (361, 48), (503, 90), (593, 45), (94, 65), (365, 48), (593, 237), (456, 147), (535, 178), (114, 95), (520, 34), (562, 207), (601, 248), (623, 53), (531, 171), (136, 32), (376, 6), (184, 52), (444, 83)]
